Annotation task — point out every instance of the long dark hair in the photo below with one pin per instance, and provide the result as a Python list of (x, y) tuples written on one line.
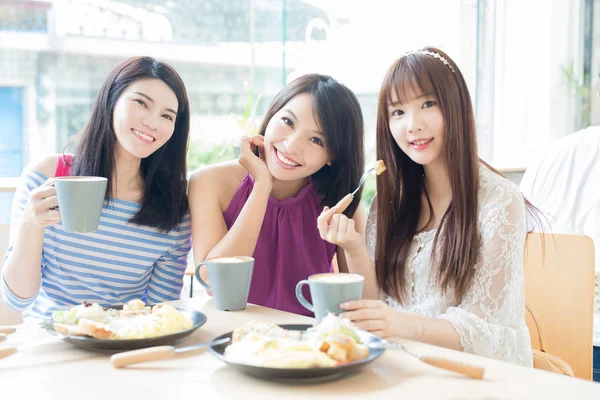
[(164, 201), (339, 116)]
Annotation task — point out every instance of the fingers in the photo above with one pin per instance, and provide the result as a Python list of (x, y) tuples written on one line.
[(359, 304), (258, 140), (46, 204), (50, 217), (247, 154), (372, 325), (323, 221), (351, 227), (43, 192), (332, 233), (49, 182), (42, 204), (342, 227), (344, 203)]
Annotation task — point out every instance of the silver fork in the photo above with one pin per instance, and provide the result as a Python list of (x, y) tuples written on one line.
[(346, 200), (363, 178)]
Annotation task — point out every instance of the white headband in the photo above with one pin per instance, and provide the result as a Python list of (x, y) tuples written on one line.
[(438, 56)]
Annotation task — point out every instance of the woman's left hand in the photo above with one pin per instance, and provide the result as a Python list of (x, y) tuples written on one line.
[(377, 317)]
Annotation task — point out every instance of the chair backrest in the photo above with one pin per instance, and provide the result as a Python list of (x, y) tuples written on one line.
[(7, 315), (559, 288)]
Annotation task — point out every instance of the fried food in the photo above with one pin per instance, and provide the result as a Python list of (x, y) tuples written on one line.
[(380, 167)]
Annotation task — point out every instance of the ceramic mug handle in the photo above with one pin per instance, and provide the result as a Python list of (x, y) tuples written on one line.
[(300, 296), (197, 273)]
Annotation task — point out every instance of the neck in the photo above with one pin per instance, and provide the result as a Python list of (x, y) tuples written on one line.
[(437, 181), (287, 189), (127, 171)]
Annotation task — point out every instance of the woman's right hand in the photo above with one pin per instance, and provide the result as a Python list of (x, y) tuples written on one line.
[(338, 229), (256, 166), (41, 207)]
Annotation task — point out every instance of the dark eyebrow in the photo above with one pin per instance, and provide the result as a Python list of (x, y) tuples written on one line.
[(393, 104), (152, 101), (296, 118), (291, 112)]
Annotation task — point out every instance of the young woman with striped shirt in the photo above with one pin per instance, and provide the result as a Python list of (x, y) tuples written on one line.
[(136, 137)]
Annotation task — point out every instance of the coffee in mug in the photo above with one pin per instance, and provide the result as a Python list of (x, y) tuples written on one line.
[(80, 200), (328, 291), (230, 279)]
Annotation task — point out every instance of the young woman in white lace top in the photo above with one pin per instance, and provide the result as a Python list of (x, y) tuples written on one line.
[(445, 233)]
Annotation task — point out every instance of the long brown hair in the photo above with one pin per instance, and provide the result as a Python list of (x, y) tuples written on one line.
[(339, 116), (164, 201), (399, 190)]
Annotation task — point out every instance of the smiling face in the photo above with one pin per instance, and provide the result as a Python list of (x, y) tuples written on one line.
[(418, 127), (144, 117), (294, 146)]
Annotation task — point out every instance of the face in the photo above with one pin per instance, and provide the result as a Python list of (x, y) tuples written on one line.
[(144, 117), (418, 127), (294, 146)]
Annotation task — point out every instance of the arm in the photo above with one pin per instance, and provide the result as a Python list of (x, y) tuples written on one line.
[(356, 259), (209, 231), (349, 235), (31, 213), (359, 223), (167, 275), (490, 318), (489, 321)]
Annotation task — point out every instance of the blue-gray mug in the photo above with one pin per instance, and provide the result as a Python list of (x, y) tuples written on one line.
[(80, 200), (230, 279), (328, 291)]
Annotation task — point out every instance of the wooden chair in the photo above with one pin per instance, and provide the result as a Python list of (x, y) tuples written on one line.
[(7, 315), (559, 294), (189, 271)]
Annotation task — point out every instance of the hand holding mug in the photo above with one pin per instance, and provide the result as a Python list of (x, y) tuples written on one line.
[(40, 209)]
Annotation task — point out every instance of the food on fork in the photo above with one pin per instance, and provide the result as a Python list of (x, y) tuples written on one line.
[(333, 342), (378, 168), (134, 321)]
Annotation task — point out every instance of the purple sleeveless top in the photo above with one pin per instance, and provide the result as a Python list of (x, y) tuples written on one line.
[(289, 247)]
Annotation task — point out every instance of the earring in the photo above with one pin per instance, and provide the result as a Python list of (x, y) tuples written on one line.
[(329, 163)]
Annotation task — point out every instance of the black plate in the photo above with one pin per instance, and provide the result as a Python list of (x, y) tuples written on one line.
[(197, 318), (303, 374)]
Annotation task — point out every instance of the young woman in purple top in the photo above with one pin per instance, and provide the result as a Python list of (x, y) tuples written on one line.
[(308, 154)]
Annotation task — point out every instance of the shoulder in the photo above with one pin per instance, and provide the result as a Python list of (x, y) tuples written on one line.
[(220, 173), (577, 144), (589, 135), (496, 190), (45, 166), (221, 178)]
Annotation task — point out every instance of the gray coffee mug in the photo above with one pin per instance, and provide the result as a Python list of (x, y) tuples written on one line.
[(80, 200), (230, 279), (328, 291)]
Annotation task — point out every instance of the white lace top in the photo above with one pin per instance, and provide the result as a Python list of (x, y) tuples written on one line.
[(490, 318)]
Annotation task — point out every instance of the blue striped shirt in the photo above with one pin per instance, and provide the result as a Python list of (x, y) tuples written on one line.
[(118, 262)]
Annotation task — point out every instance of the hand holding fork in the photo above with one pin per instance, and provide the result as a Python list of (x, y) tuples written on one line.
[(378, 168)]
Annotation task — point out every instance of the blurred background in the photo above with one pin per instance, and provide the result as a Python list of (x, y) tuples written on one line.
[(532, 66)]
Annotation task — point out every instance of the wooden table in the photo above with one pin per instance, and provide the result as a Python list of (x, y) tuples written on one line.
[(61, 371)]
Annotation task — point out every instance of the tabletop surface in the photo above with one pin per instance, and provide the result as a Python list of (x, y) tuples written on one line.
[(59, 370)]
